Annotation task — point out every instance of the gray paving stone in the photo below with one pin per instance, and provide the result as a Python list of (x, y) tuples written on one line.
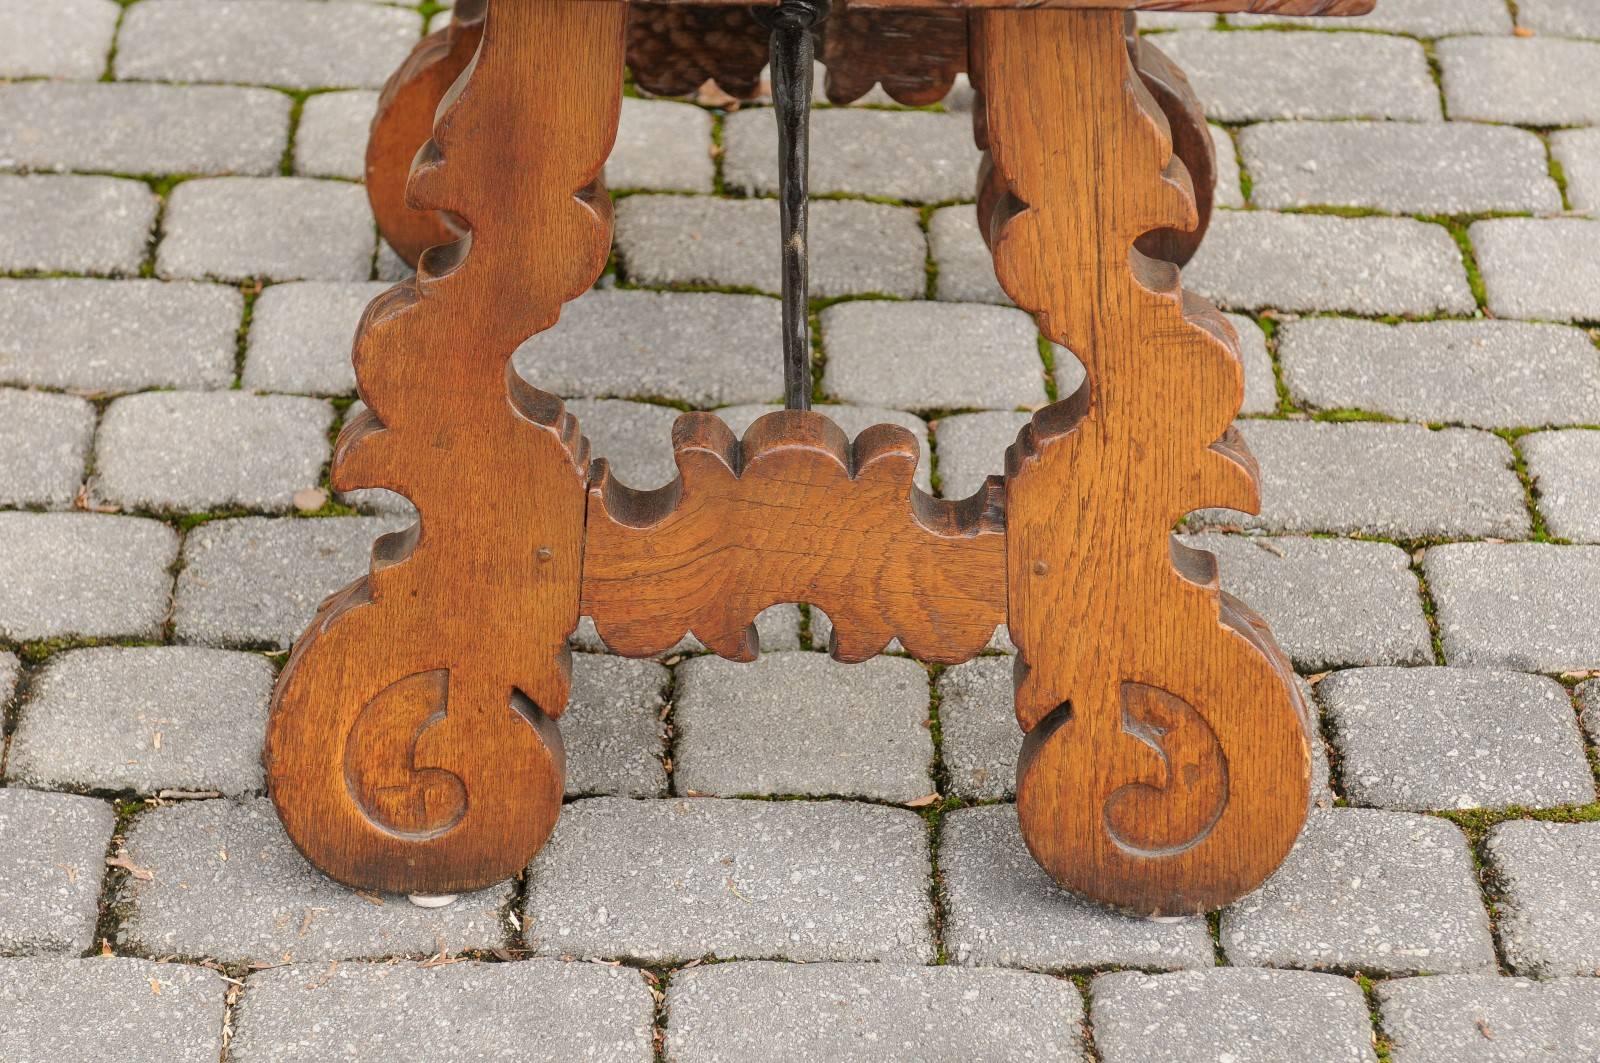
[(52, 854), (910, 155), (663, 147), (612, 729), (777, 631), (259, 580), (46, 440), (1369, 890), (227, 883), (1540, 268), (1400, 481), (83, 574), (535, 1009), (1002, 909), (635, 438), (1419, 18), (195, 451), (108, 1010), (1159, 21), (978, 722), (1252, 260), (706, 349), (856, 248), (1492, 374), (1476, 1019), (103, 336), (277, 228), (301, 334), (1560, 18), (1446, 738), (10, 673), (670, 881), (1550, 876), (145, 719), (1244, 1016), (972, 448), (853, 419), (331, 139), (1516, 605), (291, 43), (1245, 77), (1578, 152), (1538, 81), (1589, 708), (74, 224), (1229, 191), (932, 355), (863, 1013), (129, 128), (1331, 603), (802, 723), (62, 39), (966, 270), (1565, 467), (1433, 168)]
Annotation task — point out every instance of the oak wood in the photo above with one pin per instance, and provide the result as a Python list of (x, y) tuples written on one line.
[(793, 513), (1191, 143), (411, 744), (673, 49), (403, 122), (1266, 7), (1166, 769)]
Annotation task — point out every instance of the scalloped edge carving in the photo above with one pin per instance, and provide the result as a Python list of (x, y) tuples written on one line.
[(793, 513)]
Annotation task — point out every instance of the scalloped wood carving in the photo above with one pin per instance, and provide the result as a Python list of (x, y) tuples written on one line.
[(794, 513), (411, 743), (1166, 769)]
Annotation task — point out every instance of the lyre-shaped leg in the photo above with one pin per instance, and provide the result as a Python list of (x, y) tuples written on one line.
[(412, 743), (1166, 768)]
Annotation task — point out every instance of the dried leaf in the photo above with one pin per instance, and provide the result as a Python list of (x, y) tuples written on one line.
[(924, 801), (143, 874), (310, 499), (710, 94)]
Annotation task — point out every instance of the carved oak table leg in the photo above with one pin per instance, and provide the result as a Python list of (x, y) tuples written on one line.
[(412, 744), (404, 122), (1166, 766)]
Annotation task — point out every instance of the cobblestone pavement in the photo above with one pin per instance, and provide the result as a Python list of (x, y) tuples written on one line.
[(1410, 247)]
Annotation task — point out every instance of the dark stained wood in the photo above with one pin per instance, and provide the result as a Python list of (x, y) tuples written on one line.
[(674, 48), (1166, 768), (794, 513), (915, 56), (412, 744)]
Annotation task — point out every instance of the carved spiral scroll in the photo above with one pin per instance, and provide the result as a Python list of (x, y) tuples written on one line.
[(1167, 769), (794, 513), (411, 745)]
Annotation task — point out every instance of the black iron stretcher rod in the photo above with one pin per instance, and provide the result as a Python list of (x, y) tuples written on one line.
[(793, 48)]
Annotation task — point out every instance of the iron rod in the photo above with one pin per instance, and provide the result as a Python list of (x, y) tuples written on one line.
[(793, 51)]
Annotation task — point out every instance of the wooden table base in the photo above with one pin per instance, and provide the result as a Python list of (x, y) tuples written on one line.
[(412, 745)]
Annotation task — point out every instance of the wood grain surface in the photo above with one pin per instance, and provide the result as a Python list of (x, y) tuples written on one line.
[(411, 744), (1166, 768), (793, 513)]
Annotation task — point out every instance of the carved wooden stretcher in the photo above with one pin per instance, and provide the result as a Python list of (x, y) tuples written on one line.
[(413, 744)]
